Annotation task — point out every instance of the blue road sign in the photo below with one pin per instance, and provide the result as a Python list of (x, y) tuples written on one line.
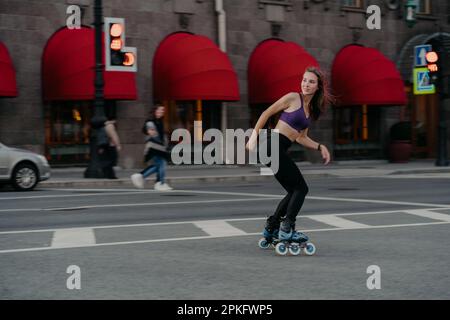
[(419, 54), (422, 84)]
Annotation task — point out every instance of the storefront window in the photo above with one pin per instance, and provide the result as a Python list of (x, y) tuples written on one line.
[(182, 114), (352, 3), (357, 132), (424, 7), (67, 130)]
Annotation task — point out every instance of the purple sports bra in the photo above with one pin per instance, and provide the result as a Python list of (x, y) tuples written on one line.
[(296, 119)]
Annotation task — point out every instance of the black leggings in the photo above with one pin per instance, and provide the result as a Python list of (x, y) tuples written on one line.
[(290, 177)]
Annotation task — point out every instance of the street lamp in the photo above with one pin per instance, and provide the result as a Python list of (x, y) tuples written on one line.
[(94, 169), (410, 7)]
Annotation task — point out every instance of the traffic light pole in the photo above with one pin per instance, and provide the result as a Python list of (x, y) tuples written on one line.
[(441, 160), (94, 170)]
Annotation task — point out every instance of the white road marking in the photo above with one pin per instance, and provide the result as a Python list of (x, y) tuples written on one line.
[(101, 190), (430, 214), (338, 222), (190, 222), (145, 204), (229, 193), (403, 203), (73, 238), (73, 195), (212, 237), (218, 228), (441, 175), (263, 196)]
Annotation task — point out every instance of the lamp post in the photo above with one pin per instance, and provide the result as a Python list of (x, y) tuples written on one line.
[(410, 7), (94, 169)]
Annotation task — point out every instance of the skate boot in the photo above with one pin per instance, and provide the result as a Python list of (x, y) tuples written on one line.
[(298, 237), (293, 241), (270, 234)]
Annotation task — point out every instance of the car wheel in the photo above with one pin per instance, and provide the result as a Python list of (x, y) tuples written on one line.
[(24, 177)]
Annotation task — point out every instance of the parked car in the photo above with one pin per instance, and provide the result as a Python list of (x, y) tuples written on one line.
[(22, 169)]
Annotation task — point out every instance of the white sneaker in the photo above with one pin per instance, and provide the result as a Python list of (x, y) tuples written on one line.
[(162, 186), (158, 186), (138, 180), (166, 187)]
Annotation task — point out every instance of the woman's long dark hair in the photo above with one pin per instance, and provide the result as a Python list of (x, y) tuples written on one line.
[(323, 97), (152, 117)]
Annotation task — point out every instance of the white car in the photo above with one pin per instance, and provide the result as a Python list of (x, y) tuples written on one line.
[(22, 169)]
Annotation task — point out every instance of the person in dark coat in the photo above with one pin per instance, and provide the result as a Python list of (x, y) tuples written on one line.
[(109, 151)]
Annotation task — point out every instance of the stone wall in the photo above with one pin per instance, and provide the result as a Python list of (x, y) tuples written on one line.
[(322, 29)]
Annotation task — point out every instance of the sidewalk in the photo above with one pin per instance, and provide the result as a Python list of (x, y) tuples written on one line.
[(193, 174)]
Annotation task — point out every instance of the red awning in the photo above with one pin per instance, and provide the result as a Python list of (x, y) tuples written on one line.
[(192, 67), (68, 69), (276, 68), (363, 75), (8, 87)]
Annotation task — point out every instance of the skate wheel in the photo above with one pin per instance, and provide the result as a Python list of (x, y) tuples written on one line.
[(281, 249), (263, 243), (294, 250), (309, 249)]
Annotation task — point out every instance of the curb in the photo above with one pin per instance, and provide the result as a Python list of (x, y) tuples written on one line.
[(205, 179), (171, 181)]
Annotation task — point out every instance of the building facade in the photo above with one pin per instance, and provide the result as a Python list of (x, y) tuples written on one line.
[(323, 29)]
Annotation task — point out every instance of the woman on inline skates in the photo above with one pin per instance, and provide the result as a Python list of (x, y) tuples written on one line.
[(298, 108)]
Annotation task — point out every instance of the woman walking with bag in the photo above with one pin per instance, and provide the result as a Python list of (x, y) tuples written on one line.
[(155, 150)]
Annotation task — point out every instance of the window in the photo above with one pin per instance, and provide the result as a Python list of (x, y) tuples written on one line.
[(67, 130), (357, 132), (182, 114), (423, 7), (353, 3)]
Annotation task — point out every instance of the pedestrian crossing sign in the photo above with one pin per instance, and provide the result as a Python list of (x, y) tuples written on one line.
[(422, 82)]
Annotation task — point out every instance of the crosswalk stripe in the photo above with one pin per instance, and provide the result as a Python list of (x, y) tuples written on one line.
[(338, 222), (211, 237), (430, 214), (218, 228), (75, 237)]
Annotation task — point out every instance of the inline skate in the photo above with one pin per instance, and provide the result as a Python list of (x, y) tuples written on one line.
[(270, 234), (292, 241)]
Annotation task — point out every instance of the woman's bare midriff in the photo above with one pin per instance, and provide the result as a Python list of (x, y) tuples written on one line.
[(287, 130)]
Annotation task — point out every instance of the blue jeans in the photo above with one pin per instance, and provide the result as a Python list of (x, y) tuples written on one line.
[(159, 167)]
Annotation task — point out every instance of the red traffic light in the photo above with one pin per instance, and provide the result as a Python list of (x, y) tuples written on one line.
[(116, 30), (116, 44), (118, 57), (431, 57), (433, 67), (129, 59)]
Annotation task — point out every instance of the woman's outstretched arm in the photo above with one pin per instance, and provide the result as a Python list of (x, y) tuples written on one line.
[(279, 105)]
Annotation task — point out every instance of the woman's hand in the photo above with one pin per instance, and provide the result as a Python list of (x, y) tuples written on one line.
[(325, 154), (251, 144)]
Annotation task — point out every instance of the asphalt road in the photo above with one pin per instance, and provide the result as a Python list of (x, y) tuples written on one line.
[(376, 238)]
